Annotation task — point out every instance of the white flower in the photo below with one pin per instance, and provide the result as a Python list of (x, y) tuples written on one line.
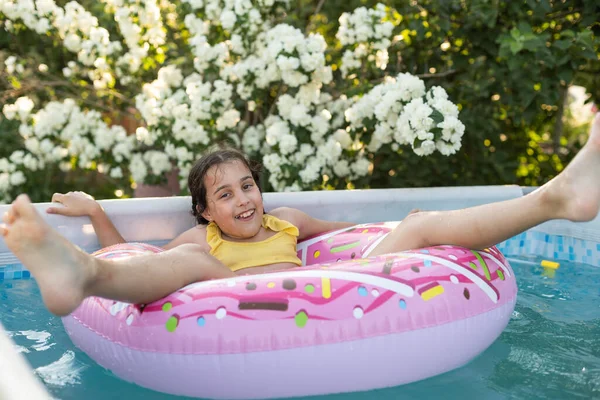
[(228, 19), (341, 168), (17, 178), (361, 167), (287, 144), (272, 163), (426, 148), (343, 138), (229, 119)]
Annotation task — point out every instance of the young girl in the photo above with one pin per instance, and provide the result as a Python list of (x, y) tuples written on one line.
[(235, 235)]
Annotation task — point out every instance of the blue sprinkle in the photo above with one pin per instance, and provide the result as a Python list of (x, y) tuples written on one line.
[(402, 304), (201, 321), (425, 251), (427, 263), (362, 291)]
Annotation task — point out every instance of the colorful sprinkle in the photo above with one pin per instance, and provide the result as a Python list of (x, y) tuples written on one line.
[(172, 323), (301, 319), (472, 265), (362, 291), (309, 288), (326, 288), (344, 247), (415, 269), (402, 304), (317, 254), (289, 284), (424, 251), (500, 274), (129, 319), (453, 279), (430, 291), (271, 285), (167, 306), (358, 312), (427, 263), (365, 231), (375, 293), (483, 264), (264, 305), (201, 321), (221, 313), (329, 241), (353, 255), (251, 286), (466, 294)]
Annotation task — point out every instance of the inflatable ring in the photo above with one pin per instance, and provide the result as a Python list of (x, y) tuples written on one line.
[(340, 323)]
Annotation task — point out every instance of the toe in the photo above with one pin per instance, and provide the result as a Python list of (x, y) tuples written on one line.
[(22, 207)]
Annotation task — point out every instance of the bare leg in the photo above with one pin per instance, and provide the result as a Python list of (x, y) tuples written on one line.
[(66, 274), (572, 195)]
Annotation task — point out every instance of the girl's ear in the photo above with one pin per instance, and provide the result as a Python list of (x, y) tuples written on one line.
[(205, 214)]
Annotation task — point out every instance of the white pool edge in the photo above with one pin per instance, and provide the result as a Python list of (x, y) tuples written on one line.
[(17, 380)]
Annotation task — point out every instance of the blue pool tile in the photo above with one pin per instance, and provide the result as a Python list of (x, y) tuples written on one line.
[(1, 275), (26, 274), (17, 274)]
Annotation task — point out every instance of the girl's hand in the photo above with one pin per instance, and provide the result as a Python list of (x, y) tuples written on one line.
[(76, 204)]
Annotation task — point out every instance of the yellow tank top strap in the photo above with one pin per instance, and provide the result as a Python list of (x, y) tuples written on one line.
[(279, 225), (213, 235)]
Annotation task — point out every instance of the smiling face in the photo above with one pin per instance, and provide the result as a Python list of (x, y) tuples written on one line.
[(233, 200)]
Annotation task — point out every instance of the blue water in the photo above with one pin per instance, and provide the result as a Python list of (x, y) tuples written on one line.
[(550, 349)]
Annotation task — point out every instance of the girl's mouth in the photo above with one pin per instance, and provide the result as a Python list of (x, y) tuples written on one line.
[(245, 216)]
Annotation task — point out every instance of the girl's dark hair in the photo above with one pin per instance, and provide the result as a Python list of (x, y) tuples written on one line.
[(201, 167)]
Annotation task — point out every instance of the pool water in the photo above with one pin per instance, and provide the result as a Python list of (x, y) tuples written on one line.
[(550, 349)]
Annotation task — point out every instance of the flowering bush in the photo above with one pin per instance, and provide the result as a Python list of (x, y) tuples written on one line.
[(230, 71)]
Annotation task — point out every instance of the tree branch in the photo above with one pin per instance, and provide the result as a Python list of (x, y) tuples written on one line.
[(438, 75)]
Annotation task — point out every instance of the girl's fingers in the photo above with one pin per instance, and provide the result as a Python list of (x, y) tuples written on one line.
[(57, 197)]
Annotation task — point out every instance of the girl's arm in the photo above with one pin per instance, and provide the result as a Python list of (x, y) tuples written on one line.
[(78, 204), (307, 225)]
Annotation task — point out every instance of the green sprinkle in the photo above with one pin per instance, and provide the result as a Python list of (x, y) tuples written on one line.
[(472, 265), (301, 319), (309, 288), (172, 323), (167, 306), (500, 274)]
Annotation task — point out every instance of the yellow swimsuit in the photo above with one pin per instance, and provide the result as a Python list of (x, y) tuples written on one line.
[(279, 248)]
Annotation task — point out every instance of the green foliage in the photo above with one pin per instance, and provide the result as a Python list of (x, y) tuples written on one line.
[(506, 64)]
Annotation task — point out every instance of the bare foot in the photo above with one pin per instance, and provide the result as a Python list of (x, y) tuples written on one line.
[(575, 192), (61, 270)]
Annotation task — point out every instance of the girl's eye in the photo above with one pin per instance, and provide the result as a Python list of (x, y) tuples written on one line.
[(224, 195), (247, 186)]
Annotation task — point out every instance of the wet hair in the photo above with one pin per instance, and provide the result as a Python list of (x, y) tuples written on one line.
[(198, 173)]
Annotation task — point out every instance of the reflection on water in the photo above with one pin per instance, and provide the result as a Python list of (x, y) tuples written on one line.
[(550, 349)]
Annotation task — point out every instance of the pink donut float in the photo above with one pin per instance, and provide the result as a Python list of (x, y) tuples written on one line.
[(343, 322)]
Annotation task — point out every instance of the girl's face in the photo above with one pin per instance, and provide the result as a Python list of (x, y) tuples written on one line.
[(233, 200)]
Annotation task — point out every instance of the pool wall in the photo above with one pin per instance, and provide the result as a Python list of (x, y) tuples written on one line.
[(158, 220)]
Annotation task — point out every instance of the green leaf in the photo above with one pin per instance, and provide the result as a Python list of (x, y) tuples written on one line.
[(516, 47), (562, 44)]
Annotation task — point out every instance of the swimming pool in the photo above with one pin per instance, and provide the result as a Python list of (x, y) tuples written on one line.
[(549, 349)]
